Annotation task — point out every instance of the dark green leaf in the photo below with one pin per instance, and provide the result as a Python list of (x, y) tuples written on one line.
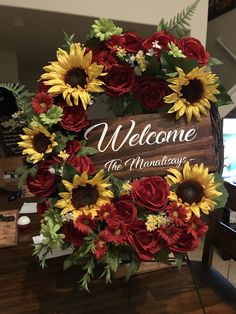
[(222, 199), (87, 151), (133, 267), (162, 256), (69, 172)]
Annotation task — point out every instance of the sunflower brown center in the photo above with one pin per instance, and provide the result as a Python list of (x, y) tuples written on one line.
[(193, 92), (190, 191), (75, 77), (84, 195), (40, 142)]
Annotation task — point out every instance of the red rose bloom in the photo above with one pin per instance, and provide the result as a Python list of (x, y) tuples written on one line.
[(126, 211), (82, 164), (72, 147), (146, 244), (162, 38), (151, 92), (133, 42), (120, 80), (72, 235), (185, 243), (74, 118), (151, 193), (115, 41), (43, 184), (193, 49)]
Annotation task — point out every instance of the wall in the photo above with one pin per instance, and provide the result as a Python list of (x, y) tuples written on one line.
[(146, 12), (8, 66), (223, 27)]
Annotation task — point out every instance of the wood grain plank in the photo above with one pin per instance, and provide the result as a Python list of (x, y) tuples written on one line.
[(150, 148)]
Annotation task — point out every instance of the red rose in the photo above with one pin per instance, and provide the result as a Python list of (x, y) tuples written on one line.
[(114, 42), (151, 193), (146, 244), (133, 42), (82, 164), (126, 211), (161, 38), (74, 118), (120, 80), (72, 147), (72, 235), (193, 49), (43, 184), (151, 91), (186, 242)]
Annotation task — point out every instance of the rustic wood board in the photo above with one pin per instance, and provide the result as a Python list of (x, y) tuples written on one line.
[(144, 145), (8, 230)]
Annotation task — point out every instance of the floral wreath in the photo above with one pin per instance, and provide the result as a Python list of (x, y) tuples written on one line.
[(102, 219)]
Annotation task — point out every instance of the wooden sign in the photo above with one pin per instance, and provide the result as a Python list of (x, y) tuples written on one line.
[(147, 145)]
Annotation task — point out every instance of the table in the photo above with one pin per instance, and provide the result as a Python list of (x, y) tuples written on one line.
[(25, 288)]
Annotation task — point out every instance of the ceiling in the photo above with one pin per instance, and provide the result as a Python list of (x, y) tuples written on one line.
[(35, 35)]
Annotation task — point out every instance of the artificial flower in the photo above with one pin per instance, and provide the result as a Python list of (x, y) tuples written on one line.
[(41, 102), (151, 92), (146, 244), (37, 142), (100, 246), (126, 211), (115, 232), (104, 28), (158, 41), (85, 196), (107, 212), (193, 49), (74, 76), (74, 118), (43, 184), (195, 188), (155, 221), (73, 236), (85, 223), (120, 80), (186, 242), (82, 164), (178, 214), (193, 93), (151, 193)]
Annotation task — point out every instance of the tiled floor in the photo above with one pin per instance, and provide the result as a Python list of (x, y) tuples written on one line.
[(226, 268)]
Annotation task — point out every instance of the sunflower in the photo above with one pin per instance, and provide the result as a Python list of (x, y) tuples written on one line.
[(73, 75), (192, 93), (37, 142), (195, 188), (85, 196)]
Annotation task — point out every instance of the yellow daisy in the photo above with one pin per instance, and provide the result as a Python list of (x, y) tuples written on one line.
[(74, 76), (85, 196), (37, 142), (194, 188), (192, 93)]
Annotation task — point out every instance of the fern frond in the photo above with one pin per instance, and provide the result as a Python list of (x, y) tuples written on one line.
[(22, 97), (178, 25)]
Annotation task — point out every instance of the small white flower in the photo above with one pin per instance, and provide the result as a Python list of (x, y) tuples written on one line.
[(150, 52), (156, 45), (52, 170)]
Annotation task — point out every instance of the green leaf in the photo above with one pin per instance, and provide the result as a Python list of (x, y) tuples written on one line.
[(68, 41), (162, 256), (87, 151), (177, 26), (214, 61), (117, 105), (133, 267), (69, 172), (52, 116), (116, 186), (223, 98), (153, 67), (222, 199), (62, 139), (179, 257)]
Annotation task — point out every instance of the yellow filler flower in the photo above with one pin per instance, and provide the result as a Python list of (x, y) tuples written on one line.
[(195, 188), (192, 93), (37, 142), (74, 76), (85, 196)]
